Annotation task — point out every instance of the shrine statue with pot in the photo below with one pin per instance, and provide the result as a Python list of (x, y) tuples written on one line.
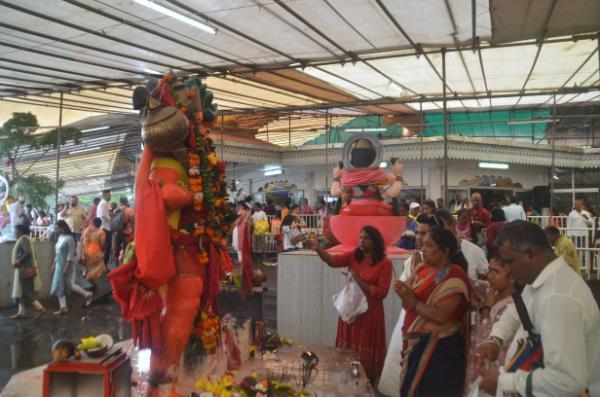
[(363, 188), (172, 268)]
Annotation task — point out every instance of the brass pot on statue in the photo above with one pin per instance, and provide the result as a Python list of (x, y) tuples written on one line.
[(164, 129)]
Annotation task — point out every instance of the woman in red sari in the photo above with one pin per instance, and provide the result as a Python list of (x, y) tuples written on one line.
[(435, 326), (373, 272)]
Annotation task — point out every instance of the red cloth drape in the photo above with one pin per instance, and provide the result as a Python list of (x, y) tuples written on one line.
[(153, 248), (141, 310), (368, 176)]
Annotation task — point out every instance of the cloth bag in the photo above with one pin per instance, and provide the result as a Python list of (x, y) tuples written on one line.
[(351, 301), (261, 227)]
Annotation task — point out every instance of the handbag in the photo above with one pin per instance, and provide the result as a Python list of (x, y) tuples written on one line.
[(28, 272)]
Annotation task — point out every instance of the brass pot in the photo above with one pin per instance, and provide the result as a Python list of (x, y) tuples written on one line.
[(164, 129)]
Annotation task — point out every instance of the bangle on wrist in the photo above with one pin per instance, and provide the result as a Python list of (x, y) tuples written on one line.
[(400, 178), (496, 341), (337, 179)]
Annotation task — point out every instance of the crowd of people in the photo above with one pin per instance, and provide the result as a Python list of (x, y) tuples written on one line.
[(479, 287), (87, 242), (464, 327)]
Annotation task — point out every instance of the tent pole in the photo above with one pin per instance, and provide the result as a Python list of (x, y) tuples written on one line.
[(58, 133), (573, 186), (553, 152), (222, 137), (445, 113), (421, 149), (326, 148), (290, 130)]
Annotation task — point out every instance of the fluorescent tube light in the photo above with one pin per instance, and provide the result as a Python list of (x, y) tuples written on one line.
[(555, 177), (383, 164), (90, 149), (277, 171), (105, 127), (152, 71), (532, 121), (365, 129), (495, 166), (180, 17)]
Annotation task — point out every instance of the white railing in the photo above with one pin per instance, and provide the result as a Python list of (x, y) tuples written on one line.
[(589, 259), (312, 222), (39, 232)]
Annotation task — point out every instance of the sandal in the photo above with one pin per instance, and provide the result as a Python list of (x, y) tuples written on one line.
[(61, 311), (42, 312), (89, 300), (18, 316)]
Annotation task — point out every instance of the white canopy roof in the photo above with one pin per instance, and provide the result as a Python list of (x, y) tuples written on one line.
[(276, 57)]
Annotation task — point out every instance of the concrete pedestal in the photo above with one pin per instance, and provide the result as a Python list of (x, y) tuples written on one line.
[(305, 287), (45, 257)]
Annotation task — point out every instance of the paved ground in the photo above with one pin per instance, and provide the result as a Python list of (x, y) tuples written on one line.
[(26, 343)]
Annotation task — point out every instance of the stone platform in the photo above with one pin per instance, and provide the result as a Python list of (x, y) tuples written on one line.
[(332, 376)]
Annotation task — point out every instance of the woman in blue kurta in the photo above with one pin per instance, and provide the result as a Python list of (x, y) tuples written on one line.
[(63, 279)]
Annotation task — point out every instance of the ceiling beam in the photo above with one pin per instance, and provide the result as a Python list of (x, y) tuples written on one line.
[(392, 101)]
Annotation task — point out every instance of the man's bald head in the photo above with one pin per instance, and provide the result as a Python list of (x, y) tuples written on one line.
[(476, 200)]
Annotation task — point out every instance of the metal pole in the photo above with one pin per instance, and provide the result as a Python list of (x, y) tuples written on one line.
[(553, 152), (326, 148), (222, 137), (58, 132), (445, 113), (573, 187), (290, 130), (421, 149)]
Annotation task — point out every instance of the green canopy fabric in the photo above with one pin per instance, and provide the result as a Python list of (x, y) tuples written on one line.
[(495, 124)]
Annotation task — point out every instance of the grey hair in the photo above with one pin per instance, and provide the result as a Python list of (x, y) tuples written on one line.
[(522, 235)]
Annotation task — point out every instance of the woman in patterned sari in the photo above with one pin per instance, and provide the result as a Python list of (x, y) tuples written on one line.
[(435, 328)]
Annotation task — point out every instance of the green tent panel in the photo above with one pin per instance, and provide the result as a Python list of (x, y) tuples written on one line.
[(494, 124)]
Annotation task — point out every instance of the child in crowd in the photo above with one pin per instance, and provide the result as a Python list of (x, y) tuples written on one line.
[(502, 285), (463, 225)]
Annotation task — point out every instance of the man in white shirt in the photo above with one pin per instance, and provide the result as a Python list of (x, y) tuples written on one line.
[(478, 264), (259, 213), (103, 213), (579, 222), (562, 310), (514, 211)]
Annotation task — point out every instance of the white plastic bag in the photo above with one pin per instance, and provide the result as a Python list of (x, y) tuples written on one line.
[(351, 301)]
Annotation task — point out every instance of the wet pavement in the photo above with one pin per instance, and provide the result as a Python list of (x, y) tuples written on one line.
[(26, 343)]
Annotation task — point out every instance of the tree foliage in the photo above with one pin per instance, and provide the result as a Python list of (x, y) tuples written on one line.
[(20, 134)]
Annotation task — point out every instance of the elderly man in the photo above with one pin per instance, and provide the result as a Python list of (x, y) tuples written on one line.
[(579, 223), (562, 310), (477, 213), (75, 216)]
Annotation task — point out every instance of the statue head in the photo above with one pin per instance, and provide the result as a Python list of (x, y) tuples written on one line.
[(362, 151)]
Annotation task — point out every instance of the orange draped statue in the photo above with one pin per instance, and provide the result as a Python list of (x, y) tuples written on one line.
[(173, 267)]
